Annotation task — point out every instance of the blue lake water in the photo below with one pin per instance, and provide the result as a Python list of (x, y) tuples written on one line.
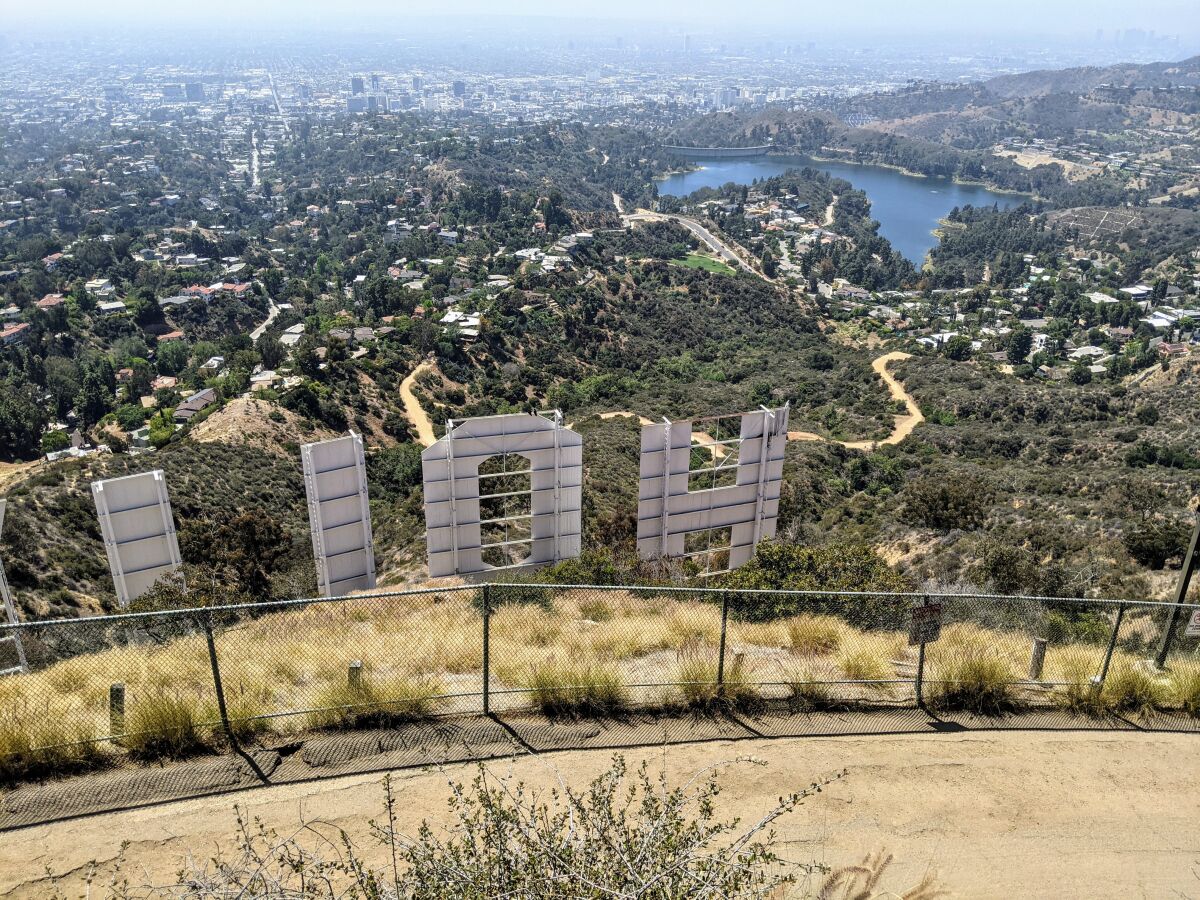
[(908, 207)]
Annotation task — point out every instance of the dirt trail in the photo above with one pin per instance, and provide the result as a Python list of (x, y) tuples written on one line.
[(904, 424), (902, 428), (999, 814), (412, 407), (719, 451)]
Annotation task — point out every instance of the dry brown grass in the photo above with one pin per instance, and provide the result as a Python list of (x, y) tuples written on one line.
[(416, 647)]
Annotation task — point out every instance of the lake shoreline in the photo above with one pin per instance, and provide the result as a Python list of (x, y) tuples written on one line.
[(909, 206)]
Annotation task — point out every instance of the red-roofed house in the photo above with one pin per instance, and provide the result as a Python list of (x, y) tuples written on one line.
[(14, 333), (50, 301)]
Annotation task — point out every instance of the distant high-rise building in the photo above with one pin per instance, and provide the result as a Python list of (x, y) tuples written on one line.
[(687, 43), (194, 91), (356, 104), (172, 91), (724, 98), (356, 85), (418, 82), (375, 83), (459, 88), (304, 92)]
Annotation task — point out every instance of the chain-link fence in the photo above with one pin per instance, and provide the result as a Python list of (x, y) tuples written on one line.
[(301, 689)]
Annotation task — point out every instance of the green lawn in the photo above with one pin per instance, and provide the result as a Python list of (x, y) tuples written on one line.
[(698, 261)]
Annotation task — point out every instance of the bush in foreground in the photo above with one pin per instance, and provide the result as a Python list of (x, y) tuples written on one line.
[(623, 835)]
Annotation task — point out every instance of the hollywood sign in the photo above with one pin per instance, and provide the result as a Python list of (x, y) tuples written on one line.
[(501, 492), (507, 491)]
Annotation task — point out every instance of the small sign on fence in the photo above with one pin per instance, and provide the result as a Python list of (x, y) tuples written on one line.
[(1193, 625), (926, 624)]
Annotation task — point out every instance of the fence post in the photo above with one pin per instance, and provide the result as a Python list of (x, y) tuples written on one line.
[(116, 709), (920, 678), (1181, 589), (486, 591), (1037, 659), (1098, 682), (354, 673), (216, 673), (721, 647)]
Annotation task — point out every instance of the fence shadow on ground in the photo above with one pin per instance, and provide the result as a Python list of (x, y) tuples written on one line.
[(127, 711)]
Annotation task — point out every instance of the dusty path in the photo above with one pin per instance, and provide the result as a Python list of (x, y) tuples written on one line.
[(904, 424), (412, 407), (999, 814), (902, 428)]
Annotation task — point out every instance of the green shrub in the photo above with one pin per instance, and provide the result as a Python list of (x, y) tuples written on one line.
[(828, 567)]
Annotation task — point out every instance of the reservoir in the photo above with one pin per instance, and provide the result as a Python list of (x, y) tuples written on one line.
[(908, 207)]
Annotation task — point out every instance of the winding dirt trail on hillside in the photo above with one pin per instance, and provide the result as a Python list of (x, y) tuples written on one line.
[(412, 406), (902, 428), (904, 424)]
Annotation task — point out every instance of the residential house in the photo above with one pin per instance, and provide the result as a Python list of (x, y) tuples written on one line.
[(100, 287), (194, 404), (14, 334)]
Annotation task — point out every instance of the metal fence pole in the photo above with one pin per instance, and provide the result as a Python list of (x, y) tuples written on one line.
[(721, 648), (1112, 645), (1181, 589), (216, 673), (487, 656), (919, 684)]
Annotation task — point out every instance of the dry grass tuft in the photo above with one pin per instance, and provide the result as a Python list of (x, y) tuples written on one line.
[(573, 689), (974, 675), (865, 665), (1129, 687), (815, 635), (1185, 687), (697, 672), (376, 702), (164, 724)]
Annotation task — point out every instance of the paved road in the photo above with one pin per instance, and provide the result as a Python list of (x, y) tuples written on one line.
[(723, 250), (272, 312)]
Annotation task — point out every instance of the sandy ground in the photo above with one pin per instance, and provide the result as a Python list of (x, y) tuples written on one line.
[(1018, 814), (412, 407), (10, 473)]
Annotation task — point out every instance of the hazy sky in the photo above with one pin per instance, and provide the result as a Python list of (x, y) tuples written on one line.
[(849, 16)]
